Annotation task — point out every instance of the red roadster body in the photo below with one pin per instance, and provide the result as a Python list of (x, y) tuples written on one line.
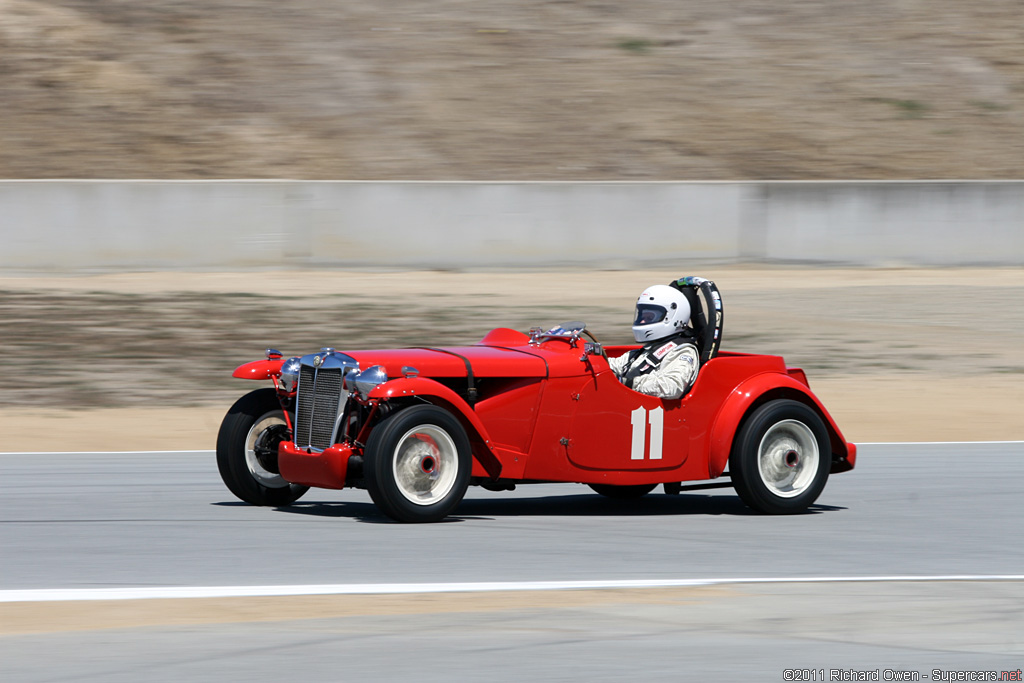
[(416, 426)]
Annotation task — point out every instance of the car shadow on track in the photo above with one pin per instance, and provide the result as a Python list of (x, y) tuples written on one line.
[(577, 505)]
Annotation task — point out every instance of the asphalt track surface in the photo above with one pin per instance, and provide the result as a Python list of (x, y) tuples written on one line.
[(87, 521)]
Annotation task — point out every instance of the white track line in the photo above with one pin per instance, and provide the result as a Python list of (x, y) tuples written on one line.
[(209, 450), (178, 592), (205, 450), (938, 443)]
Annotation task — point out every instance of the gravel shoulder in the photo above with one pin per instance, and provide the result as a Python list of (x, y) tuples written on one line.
[(143, 360)]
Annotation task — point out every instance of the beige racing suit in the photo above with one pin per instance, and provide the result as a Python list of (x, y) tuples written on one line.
[(666, 368)]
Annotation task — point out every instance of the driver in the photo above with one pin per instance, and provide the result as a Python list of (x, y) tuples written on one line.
[(666, 365)]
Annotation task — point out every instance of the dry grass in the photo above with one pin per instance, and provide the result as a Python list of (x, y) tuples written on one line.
[(144, 360), (173, 339)]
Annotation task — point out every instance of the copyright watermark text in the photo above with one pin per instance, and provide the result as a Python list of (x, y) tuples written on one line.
[(818, 675)]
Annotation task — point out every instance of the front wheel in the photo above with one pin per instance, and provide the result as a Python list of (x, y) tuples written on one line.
[(418, 464), (781, 458), (247, 450)]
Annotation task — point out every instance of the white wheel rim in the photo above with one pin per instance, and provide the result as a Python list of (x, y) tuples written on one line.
[(787, 458), (272, 480), (426, 464)]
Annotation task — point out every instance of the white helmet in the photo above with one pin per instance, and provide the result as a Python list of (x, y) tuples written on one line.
[(661, 311)]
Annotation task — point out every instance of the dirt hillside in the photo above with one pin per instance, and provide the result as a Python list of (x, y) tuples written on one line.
[(538, 89)]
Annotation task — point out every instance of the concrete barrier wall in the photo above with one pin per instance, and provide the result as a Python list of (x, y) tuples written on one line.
[(942, 223), (111, 225)]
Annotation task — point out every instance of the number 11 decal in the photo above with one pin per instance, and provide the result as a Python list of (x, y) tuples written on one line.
[(640, 419)]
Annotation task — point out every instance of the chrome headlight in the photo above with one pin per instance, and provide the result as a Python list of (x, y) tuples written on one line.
[(290, 373), (366, 381)]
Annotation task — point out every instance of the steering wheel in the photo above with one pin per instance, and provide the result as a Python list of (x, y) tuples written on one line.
[(569, 332)]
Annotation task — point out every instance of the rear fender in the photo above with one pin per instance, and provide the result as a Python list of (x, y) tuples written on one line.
[(259, 369), (760, 389), (440, 395)]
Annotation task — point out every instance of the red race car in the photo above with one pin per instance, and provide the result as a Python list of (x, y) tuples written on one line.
[(417, 426)]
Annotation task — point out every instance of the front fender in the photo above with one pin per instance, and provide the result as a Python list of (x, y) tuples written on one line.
[(437, 393), (259, 369), (759, 389)]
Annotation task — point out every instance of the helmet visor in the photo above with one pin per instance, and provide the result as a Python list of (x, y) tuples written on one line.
[(647, 314)]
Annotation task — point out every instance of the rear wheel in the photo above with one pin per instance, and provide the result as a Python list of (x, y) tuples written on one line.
[(247, 450), (781, 458), (623, 492), (418, 464)]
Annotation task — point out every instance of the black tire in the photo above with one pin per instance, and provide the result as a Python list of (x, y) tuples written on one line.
[(781, 458), (247, 450), (418, 464), (623, 492)]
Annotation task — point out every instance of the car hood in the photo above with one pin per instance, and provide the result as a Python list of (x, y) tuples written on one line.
[(502, 353), (485, 361)]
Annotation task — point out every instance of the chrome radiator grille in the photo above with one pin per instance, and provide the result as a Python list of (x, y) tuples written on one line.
[(317, 405)]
